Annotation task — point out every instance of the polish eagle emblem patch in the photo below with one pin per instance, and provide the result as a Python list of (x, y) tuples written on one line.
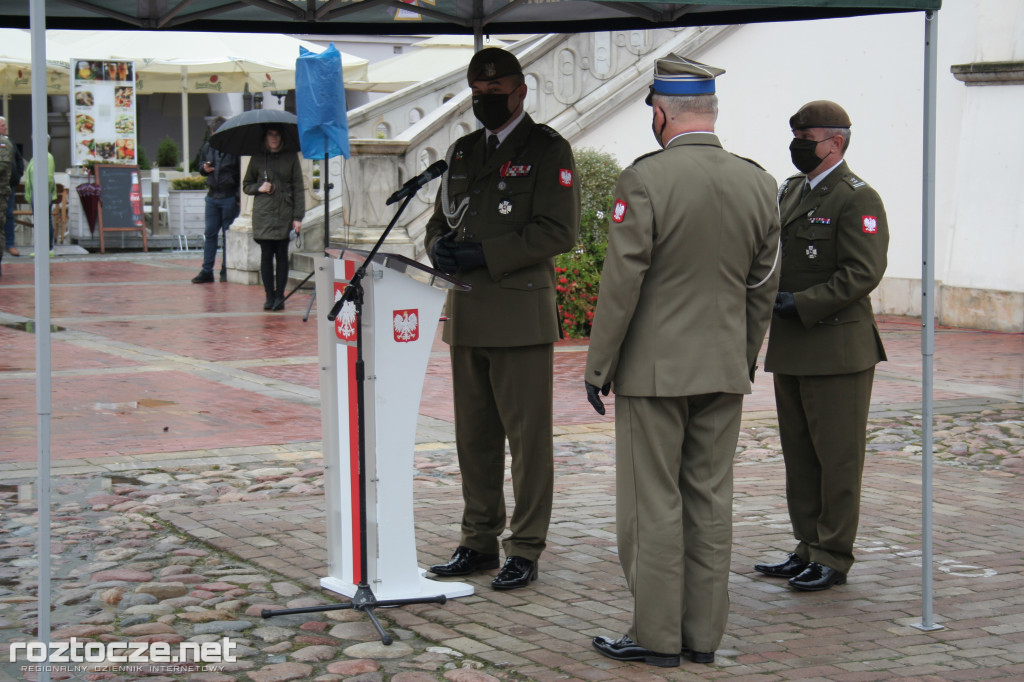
[(869, 224), (407, 325), (619, 211)]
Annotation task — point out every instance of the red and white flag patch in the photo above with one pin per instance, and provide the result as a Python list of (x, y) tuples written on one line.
[(565, 177), (619, 211), (869, 224)]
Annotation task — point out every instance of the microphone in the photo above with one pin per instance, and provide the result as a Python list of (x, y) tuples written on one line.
[(435, 170)]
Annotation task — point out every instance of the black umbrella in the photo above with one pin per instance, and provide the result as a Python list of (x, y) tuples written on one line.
[(244, 135)]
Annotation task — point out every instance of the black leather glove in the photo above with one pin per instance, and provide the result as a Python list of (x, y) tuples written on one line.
[(594, 397), (785, 305), (469, 256), (442, 253)]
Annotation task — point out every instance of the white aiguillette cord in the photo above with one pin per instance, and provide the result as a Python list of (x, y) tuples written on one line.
[(452, 214)]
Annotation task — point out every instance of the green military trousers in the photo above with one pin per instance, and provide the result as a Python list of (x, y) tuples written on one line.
[(499, 393), (673, 463), (822, 426)]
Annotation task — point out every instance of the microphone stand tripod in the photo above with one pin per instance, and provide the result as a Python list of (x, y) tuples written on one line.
[(364, 599)]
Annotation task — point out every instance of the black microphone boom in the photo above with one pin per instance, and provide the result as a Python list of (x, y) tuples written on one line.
[(435, 170)]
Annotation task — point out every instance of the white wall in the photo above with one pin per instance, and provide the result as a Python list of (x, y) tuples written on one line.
[(873, 66)]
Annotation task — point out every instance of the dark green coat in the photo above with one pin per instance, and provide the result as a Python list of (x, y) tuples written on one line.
[(834, 245), (524, 208), (272, 214)]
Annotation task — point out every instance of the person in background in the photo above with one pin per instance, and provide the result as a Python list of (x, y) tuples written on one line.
[(824, 344), (275, 179), (686, 298), (7, 152), (53, 188), (17, 170), (509, 204), (222, 203)]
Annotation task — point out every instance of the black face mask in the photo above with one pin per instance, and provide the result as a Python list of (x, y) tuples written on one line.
[(802, 153), (491, 109)]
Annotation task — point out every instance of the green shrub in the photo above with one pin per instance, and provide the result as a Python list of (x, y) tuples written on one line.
[(167, 153), (143, 159), (578, 272), (190, 182)]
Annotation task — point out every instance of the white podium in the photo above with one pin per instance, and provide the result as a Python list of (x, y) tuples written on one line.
[(402, 303)]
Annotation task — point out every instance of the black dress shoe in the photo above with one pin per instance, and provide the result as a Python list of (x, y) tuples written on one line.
[(790, 568), (203, 277), (625, 649), (817, 577), (517, 572), (465, 561), (699, 656)]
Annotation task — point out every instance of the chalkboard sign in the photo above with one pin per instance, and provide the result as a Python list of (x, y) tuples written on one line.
[(120, 202)]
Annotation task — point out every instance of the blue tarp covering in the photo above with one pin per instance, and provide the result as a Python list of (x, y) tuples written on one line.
[(320, 103)]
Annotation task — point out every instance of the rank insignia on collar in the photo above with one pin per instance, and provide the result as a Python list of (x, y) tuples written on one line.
[(510, 171), (812, 252), (504, 207), (821, 221)]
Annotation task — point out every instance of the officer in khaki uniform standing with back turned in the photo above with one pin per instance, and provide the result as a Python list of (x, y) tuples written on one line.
[(686, 297), (509, 203), (824, 344)]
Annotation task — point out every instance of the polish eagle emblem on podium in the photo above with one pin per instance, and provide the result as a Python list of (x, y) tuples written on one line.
[(407, 325), (345, 323)]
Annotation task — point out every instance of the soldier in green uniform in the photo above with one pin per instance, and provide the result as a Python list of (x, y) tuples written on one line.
[(509, 203), (7, 153), (686, 298), (824, 344)]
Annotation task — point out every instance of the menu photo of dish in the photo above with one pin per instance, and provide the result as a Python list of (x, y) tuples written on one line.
[(125, 149), (86, 70), (84, 98), (123, 96), (105, 149), (84, 123), (84, 150)]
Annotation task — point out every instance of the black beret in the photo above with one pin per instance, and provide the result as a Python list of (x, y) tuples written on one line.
[(820, 113)]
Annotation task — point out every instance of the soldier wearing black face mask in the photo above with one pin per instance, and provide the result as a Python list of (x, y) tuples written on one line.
[(824, 344), (509, 203)]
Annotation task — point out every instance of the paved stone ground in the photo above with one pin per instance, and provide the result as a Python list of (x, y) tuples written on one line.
[(187, 497)]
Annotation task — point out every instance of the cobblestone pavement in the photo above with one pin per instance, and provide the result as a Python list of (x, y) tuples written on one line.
[(187, 487)]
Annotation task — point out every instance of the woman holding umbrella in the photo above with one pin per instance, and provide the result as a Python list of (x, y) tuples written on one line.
[(275, 179)]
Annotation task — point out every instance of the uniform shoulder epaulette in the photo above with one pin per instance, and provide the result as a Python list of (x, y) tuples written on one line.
[(749, 161), (548, 130), (854, 182), (648, 154), (794, 177)]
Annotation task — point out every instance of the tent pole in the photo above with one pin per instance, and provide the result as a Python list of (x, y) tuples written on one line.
[(186, 158), (41, 235), (931, 35)]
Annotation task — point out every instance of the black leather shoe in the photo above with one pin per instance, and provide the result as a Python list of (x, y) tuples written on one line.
[(203, 277), (278, 303), (465, 561), (699, 656), (817, 577), (517, 572), (625, 649), (790, 568)]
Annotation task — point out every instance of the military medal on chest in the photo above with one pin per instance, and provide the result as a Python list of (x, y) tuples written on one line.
[(812, 251), (504, 207)]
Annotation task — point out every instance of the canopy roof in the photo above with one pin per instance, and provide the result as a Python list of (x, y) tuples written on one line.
[(434, 16)]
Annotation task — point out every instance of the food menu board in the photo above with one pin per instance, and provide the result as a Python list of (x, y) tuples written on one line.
[(103, 111)]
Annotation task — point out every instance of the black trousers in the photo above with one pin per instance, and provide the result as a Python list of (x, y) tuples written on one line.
[(272, 250)]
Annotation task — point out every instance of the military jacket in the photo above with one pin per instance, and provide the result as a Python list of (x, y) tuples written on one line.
[(7, 155), (523, 206), (689, 278), (834, 246)]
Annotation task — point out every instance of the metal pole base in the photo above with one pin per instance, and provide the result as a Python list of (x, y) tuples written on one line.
[(927, 628), (362, 601)]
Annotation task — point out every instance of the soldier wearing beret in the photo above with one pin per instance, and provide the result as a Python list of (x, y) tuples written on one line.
[(508, 205), (686, 298), (824, 344)]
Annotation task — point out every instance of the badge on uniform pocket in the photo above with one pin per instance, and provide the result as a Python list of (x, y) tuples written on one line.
[(504, 207), (812, 251)]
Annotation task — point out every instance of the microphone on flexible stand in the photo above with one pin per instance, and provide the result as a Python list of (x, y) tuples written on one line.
[(435, 170)]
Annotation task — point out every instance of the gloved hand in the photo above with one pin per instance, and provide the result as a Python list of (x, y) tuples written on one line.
[(785, 305), (442, 253), (594, 398), (469, 256)]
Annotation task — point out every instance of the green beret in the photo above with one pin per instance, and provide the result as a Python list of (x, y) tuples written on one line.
[(820, 113), (491, 63)]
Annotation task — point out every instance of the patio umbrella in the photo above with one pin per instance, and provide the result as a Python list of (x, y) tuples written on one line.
[(243, 135)]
